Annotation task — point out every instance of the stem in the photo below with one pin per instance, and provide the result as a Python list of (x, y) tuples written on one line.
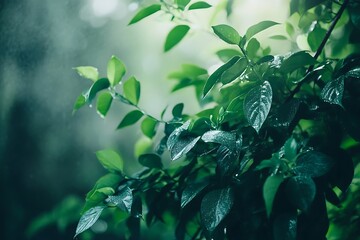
[(321, 47), (249, 62)]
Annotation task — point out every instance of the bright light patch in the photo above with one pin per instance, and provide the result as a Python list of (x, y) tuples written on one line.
[(104, 7)]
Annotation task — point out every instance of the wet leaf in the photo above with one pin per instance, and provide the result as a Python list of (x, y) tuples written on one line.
[(115, 70), (88, 72), (222, 137), (301, 191), (227, 33), (145, 12), (333, 91), (88, 219), (215, 206), (99, 85), (257, 105), (122, 200), (191, 191), (313, 164), (110, 160), (296, 60), (175, 36), (182, 146)]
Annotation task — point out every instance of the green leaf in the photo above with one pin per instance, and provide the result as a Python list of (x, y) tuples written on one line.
[(150, 160), (228, 159), (227, 33), (315, 37), (301, 191), (333, 91), (199, 5), (222, 137), (103, 103), (355, 73), (285, 226), (278, 37), (270, 189), (174, 136), (182, 3), (192, 70), (354, 11), (302, 6), (191, 191), (234, 71), (226, 54), (215, 206), (286, 113), (177, 110), (88, 72), (122, 200), (252, 48), (290, 149), (264, 59), (214, 78), (175, 36), (259, 27), (132, 90), (99, 85), (115, 70), (297, 60), (79, 103), (88, 219), (130, 119), (313, 164), (148, 127), (110, 160), (182, 146), (257, 105), (145, 12)]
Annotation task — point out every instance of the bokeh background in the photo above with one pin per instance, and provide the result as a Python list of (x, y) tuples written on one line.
[(47, 158)]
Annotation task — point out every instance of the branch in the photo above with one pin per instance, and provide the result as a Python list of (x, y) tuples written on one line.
[(321, 47)]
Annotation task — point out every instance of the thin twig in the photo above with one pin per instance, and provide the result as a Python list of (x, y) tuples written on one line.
[(321, 47)]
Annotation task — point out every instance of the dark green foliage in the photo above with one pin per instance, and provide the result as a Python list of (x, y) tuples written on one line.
[(225, 180)]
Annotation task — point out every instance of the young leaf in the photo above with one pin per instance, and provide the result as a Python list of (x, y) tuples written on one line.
[(99, 85), (290, 149), (79, 103), (110, 160), (227, 33), (103, 103), (182, 3), (177, 110), (122, 200), (214, 78), (234, 71), (313, 164), (150, 160), (132, 90), (215, 206), (115, 70), (257, 105), (148, 127), (222, 137), (88, 219), (228, 159), (296, 60), (261, 26), (191, 191), (199, 5), (301, 191), (175, 36), (145, 12), (315, 37), (333, 91), (270, 189), (88, 72), (252, 48), (130, 119), (278, 37)]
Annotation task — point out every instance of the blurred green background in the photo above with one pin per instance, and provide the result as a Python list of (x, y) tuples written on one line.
[(47, 161)]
